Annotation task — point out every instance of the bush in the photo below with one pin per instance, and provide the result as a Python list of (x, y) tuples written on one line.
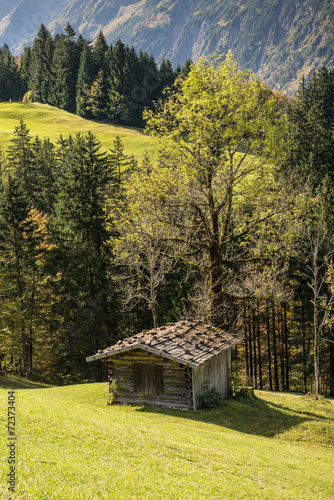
[(211, 397)]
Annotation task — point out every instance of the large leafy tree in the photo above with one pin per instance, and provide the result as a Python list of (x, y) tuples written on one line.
[(213, 189)]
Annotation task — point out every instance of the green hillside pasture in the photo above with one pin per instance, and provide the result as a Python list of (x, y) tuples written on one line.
[(47, 121), (72, 446)]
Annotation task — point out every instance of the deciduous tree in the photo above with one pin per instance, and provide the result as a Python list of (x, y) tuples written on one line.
[(213, 189)]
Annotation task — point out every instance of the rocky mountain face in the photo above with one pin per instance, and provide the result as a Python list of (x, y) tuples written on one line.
[(279, 40)]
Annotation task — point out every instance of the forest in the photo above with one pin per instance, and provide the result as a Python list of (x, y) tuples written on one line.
[(99, 81), (230, 222)]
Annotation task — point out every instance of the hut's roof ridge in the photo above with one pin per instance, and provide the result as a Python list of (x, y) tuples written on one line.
[(188, 342)]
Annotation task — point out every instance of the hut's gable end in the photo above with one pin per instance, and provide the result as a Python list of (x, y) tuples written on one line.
[(216, 372), (145, 378)]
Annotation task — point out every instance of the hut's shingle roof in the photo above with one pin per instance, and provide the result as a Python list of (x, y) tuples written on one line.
[(188, 342)]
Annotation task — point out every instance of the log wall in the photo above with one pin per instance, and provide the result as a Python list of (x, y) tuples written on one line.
[(176, 390)]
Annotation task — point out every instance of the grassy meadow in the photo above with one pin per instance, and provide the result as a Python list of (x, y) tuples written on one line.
[(47, 121), (71, 445)]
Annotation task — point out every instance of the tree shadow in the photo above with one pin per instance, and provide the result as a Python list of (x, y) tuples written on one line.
[(250, 416), (11, 382)]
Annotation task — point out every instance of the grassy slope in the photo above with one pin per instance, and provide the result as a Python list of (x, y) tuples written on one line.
[(72, 446), (46, 121)]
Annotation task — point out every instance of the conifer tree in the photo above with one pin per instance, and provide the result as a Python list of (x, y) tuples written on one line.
[(44, 171), (119, 160), (80, 234), (96, 98), (132, 89), (23, 248), (166, 74), (116, 67), (40, 67), (65, 66), (20, 158), (25, 68), (13, 83), (100, 50), (84, 81)]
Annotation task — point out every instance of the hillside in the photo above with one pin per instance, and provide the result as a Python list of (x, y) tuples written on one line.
[(72, 446), (46, 121), (278, 39)]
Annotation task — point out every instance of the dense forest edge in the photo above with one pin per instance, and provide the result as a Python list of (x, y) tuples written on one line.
[(99, 81), (232, 223)]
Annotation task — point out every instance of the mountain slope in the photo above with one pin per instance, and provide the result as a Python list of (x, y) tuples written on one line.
[(20, 20), (278, 39)]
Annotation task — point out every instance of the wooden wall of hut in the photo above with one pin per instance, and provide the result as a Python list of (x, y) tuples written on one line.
[(146, 378), (216, 372)]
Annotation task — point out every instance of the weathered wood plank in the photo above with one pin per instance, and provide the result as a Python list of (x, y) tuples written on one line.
[(217, 372)]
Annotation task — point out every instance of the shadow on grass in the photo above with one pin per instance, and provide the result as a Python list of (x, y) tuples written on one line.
[(252, 416), (11, 382)]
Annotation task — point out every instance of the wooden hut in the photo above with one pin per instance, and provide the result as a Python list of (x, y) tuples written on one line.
[(170, 366)]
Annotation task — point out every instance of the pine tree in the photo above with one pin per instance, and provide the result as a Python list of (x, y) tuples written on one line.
[(25, 68), (20, 158), (311, 117), (40, 67), (119, 160), (100, 50), (80, 233), (84, 80), (13, 82), (132, 89), (116, 67), (65, 67), (96, 99), (44, 171), (166, 74)]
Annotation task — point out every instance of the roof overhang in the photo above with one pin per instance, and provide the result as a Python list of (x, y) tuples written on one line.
[(144, 347)]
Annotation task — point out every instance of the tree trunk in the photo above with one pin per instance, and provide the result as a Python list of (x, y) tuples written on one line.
[(269, 348), (250, 348), (331, 368), (254, 341), (304, 348), (281, 343), (259, 344), (216, 312), (246, 342), (275, 348), (316, 350), (287, 371)]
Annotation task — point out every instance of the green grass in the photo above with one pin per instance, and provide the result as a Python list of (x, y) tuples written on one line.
[(46, 121), (72, 446)]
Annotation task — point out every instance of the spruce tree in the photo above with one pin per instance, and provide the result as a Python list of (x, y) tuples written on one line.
[(40, 67), (84, 81), (65, 67), (80, 233), (20, 158), (96, 98), (132, 89), (25, 68), (116, 67), (166, 74), (100, 50)]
